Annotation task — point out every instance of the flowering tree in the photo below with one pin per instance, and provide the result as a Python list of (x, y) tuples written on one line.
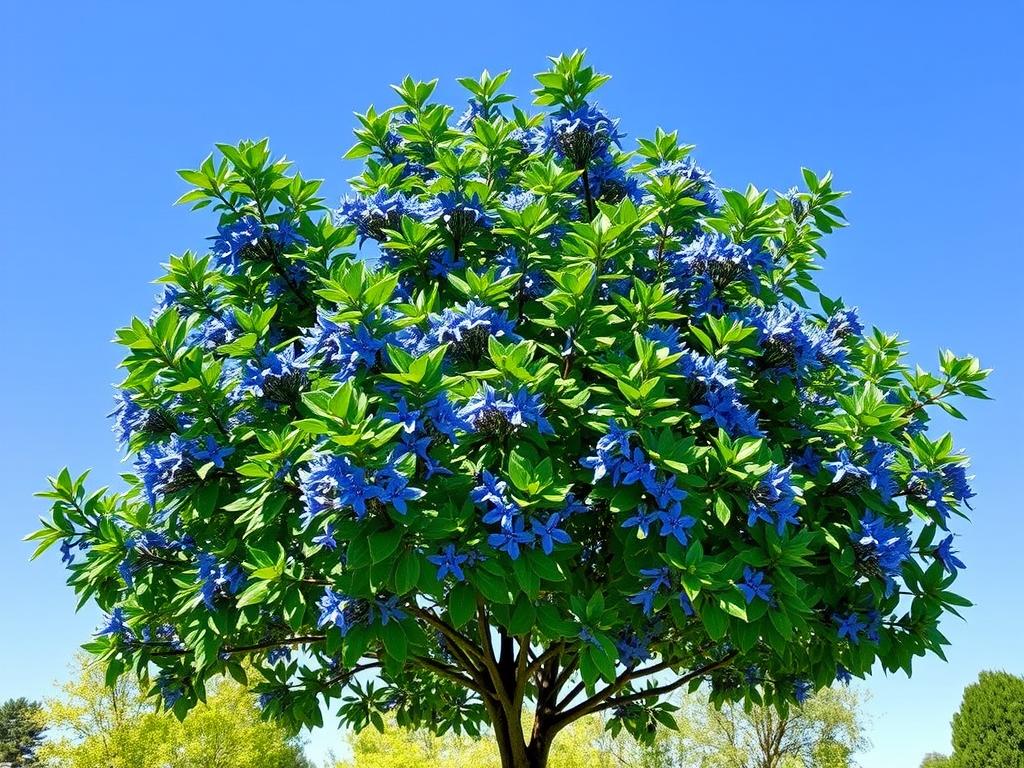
[(572, 430)]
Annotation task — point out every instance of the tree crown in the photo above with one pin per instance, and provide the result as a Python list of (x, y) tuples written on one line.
[(529, 417)]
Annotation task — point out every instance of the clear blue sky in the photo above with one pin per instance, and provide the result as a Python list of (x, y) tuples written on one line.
[(917, 109)]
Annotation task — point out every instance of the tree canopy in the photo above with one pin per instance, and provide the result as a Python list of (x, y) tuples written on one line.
[(117, 726), (529, 422), (21, 731), (988, 730)]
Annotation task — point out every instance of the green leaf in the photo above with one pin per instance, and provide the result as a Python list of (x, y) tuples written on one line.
[(461, 604)]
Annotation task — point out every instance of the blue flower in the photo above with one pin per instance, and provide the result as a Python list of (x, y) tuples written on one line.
[(641, 520), (946, 555), (233, 239), (774, 500), (450, 561), (115, 624), (281, 653), (685, 604), (395, 490), (665, 491), (548, 532), (460, 214), (217, 579), (675, 523), (849, 627), (716, 257), (403, 415), (754, 586), (212, 453), (524, 409), (616, 439), (354, 490), (802, 690), (510, 538), (388, 610), (573, 506), (490, 491), (285, 234), (473, 111), (326, 539), (277, 376), (881, 457), (633, 649), (445, 418), (166, 468), (129, 417), (958, 483), (337, 610), (466, 327), (634, 468), (881, 549), (372, 215), (581, 134), (843, 468), (723, 407), (659, 579), (843, 675)]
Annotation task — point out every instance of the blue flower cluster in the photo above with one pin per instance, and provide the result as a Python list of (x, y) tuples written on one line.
[(332, 483), (339, 344), (487, 412), (168, 467), (339, 610), (217, 579), (703, 189), (277, 376), (774, 500), (492, 496), (581, 134), (383, 210), (131, 419), (794, 346), (875, 473), (881, 549), (711, 262), (713, 388)]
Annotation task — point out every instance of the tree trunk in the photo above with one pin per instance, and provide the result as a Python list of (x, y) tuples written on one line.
[(512, 746)]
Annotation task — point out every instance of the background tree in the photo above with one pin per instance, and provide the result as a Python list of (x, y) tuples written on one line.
[(576, 432), (117, 726), (988, 730), (21, 731), (825, 732), (584, 744), (936, 760)]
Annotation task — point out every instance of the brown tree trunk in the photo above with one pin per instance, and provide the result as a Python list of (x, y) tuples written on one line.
[(513, 748)]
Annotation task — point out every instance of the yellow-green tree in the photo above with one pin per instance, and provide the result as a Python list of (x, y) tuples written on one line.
[(585, 744), (95, 726), (824, 732)]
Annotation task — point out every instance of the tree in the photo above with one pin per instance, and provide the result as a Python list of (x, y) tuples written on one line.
[(936, 760), (116, 726), (21, 731), (988, 731), (565, 438), (584, 744), (824, 732)]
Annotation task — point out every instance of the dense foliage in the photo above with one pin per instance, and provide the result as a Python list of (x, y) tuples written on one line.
[(988, 731), (21, 731), (529, 419)]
